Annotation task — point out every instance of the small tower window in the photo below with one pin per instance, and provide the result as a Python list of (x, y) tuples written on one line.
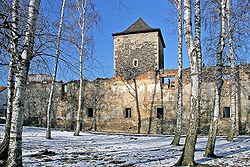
[(64, 88), (135, 62)]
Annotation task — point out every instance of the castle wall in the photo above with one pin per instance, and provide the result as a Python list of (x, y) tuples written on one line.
[(36, 100), (108, 99)]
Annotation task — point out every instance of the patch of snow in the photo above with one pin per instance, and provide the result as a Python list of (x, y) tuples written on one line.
[(90, 149)]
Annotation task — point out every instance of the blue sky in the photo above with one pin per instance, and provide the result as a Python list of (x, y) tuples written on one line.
[(117, 16)]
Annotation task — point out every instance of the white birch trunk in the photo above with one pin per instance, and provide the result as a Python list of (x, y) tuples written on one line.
[(11, 74), (198, 48), (80, 98), (187, 157), (218, 85), (10, 96), (52, 88), (23, 63), (177, 136), (233, 129), (15, 146)]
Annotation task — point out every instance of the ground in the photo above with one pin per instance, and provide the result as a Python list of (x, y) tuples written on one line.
[(96, 149)]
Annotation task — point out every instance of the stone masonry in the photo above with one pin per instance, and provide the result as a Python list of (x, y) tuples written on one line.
[(109, 104)]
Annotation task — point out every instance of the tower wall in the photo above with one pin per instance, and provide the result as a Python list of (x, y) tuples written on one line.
[(136, 54)]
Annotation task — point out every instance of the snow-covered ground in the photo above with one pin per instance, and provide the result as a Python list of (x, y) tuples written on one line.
[(90, 149)]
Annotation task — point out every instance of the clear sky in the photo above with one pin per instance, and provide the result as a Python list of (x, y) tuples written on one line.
[(118, 15)]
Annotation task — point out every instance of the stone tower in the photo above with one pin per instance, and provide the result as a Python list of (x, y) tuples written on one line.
[(137, 50)]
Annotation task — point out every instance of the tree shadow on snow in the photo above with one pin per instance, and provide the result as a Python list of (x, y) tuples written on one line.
[(225, 154)]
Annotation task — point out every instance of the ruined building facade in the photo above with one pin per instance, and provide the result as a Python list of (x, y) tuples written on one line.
[(110, 105)]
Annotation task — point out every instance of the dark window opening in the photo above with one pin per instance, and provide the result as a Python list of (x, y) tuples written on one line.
[(5, 104), (248, 97), (169, 81), (135, 63), (160, 113), (90, 112), (226, 112), (127, 113)]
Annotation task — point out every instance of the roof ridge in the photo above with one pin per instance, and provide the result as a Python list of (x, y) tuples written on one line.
[(138, 25)]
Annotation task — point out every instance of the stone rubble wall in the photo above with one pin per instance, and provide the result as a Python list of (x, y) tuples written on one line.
[(109, 97)]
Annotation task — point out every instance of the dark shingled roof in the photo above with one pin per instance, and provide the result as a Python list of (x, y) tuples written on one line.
[(140, 26)]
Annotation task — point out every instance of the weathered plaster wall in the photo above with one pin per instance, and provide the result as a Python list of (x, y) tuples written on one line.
[(36, 100), (109, 97)]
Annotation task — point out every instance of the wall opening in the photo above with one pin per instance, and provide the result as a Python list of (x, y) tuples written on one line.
[(64, 91), (159, 113), (169, 81), (64, 88), (127, 113), (226, 112), (90, 112), (135, 62)]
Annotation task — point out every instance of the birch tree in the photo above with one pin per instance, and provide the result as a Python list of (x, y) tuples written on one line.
[(82, 10), (82, 17), (218, 83), (5, 143), (187, 157), (198, 47), (13, 53), (177, 135), (52, 88), (22, 67), (232, 131)]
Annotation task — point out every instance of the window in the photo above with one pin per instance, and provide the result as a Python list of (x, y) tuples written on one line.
[(90, 112), (226, 112), (127, 113), (5, 104), (169, 81), (64, 88), (248, 97), (135, 62), (159, 113)]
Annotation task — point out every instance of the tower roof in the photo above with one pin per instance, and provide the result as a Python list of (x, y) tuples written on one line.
[(140, 26)]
